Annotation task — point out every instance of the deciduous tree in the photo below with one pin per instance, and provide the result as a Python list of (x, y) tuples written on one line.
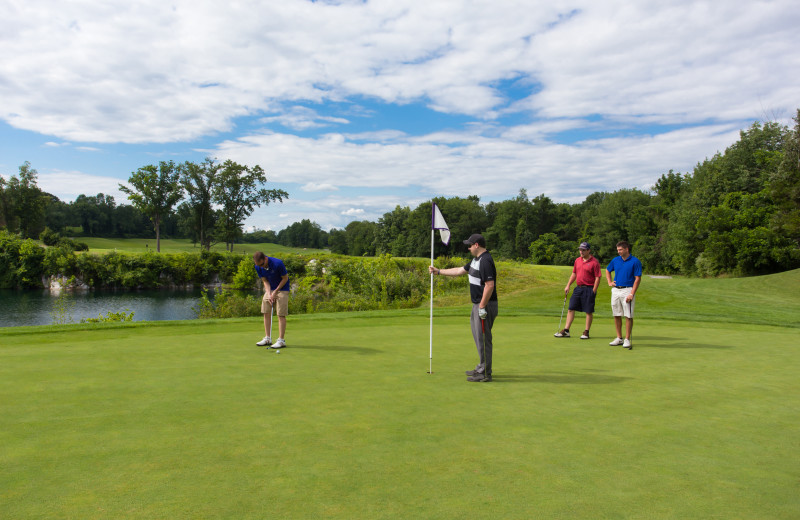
[(156, 191)]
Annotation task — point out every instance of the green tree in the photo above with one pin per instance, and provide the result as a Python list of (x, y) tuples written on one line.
[(156, 191), (199, 182), (58, 215), (547, 249), (360, 238), (337, 240), (622, 215), (511, 217), (303, 234), (239, 192), (24, 204), (784, 187), (718, 189)]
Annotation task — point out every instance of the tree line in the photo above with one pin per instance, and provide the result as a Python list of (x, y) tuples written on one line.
[(215, 199), (736, 213)]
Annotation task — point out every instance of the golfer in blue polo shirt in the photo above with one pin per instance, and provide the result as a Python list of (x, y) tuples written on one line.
[(627, 276)]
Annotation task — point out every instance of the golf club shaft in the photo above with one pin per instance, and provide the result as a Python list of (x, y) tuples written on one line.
[(271, 315), (562, 313)]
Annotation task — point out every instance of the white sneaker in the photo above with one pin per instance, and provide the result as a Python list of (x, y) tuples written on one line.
[(617, 342), (266, 341), (627, 344), (279, 344)]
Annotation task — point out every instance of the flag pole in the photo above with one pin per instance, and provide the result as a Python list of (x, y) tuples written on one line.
[(430, 369)]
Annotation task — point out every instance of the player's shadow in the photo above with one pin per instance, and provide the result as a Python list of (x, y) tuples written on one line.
[(663, 342), (564, 378), (364, 351), (680, 344)]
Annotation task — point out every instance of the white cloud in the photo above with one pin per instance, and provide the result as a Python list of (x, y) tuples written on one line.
[(303, 118), (70, 70), (316, 186), (353, 212), (494, 167), (67, 185)]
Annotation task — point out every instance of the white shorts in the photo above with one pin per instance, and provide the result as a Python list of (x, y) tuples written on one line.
[(620, 307)]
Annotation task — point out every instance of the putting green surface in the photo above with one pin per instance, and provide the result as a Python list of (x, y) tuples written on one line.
[(192, 420)]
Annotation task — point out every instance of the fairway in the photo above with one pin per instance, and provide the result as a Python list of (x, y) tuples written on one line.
[(192, 420), (181, 245)]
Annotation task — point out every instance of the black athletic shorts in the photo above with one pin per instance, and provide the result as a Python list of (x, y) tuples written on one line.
[(582, 299)]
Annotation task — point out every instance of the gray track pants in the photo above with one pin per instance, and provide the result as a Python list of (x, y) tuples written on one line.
[(484, 349)]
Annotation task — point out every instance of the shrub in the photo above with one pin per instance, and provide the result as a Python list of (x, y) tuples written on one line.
[(228, 304), (110, 317), (49, 237)]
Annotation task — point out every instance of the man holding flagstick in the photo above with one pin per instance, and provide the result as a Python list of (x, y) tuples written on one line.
[(482, 277)]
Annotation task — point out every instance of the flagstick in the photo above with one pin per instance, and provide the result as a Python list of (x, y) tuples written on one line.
[(430, 369)]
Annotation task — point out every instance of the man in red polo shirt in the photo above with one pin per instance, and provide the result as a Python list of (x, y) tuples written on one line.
[(586, 272)]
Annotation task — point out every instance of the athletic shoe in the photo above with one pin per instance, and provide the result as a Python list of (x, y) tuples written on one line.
[(585, 334), (563, 333), (627, 344), (617, 342), (480, 378), (279, 344), (264, 342), (477, 370)]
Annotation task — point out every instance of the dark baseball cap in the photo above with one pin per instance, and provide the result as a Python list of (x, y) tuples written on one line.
[(585, 245), (475, 239)]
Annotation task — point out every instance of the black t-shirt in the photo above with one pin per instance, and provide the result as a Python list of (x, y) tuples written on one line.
[(481, 270)]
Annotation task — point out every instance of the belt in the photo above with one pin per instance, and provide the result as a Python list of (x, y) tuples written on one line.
[(623, 287), (586, 286)]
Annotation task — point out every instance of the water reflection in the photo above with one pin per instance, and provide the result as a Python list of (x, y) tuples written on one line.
[(40, 307)]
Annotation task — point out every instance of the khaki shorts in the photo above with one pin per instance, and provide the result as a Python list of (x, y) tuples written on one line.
[(282, 300), (619, 307)]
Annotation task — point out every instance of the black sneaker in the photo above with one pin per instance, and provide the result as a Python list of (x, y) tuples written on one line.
[(563, 333), (480, 378)]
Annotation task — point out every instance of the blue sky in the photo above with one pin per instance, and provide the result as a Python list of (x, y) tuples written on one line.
[(356, 107)]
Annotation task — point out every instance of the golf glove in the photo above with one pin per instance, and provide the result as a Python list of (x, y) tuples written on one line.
[(482, 313)]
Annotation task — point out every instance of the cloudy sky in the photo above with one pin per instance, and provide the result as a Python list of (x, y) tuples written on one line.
[(356, 107)]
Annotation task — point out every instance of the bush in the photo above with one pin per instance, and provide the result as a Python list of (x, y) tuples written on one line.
[(49, 237), (110, 317), (228, 304), (246, 276)]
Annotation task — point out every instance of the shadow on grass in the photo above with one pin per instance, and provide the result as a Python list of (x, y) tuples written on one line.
[(560, 379), (685, 345), (364, 351), (666, 342)]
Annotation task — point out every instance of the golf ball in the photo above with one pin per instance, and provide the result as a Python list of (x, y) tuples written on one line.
[(277, 351)]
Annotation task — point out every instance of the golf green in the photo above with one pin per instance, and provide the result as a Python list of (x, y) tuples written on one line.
[(192, 420)]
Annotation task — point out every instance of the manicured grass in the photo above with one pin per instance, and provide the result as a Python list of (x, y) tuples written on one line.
[(767, 300), (180, 245), (192, 420)]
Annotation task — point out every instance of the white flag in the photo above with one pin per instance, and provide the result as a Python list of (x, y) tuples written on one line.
[(437, 222)]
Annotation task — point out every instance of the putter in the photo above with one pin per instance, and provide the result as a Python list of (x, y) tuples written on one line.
[(271, 315), (562, 313)]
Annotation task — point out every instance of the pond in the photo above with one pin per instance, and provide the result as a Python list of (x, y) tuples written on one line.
[(41, 307)]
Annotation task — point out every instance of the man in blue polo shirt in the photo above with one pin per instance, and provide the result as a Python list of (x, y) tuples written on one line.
[(275, 278), (627, 276)]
